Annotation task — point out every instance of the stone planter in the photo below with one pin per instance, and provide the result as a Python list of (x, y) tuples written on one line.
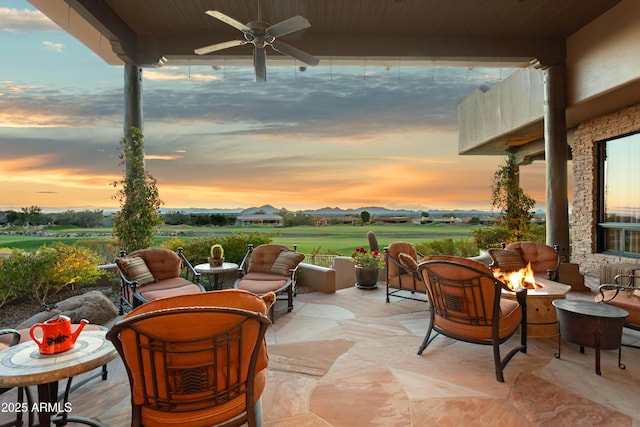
[(366, 277)]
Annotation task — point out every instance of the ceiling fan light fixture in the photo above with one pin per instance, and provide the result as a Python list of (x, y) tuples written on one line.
[(262, 34)]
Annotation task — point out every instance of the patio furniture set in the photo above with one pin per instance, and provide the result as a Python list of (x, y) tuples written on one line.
[(150, 274), (468, 303), (200, 357)]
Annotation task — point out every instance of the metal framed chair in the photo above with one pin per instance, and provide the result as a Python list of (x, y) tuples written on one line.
[(624, 293), (401, 260), (544, 259), (195, 365), (152, 273), (465, 304), (270, 268)]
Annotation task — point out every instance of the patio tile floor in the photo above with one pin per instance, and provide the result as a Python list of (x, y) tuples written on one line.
[(349, 359)]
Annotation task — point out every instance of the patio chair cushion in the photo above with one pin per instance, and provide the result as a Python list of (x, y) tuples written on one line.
[(168, 288), (510, 312), (625, 300), (394, 250), (260, 283), (407, 281), (507, 259), (263, 256), (542, 257), (408, 262), (232, 298), (136, 270), (163, 263), (510, 317), (286, 261)]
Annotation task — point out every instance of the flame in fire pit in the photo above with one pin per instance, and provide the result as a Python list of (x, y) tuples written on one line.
[(522, 278)]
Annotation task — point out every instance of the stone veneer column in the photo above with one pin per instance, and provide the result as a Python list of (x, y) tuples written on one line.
[(585, 187)]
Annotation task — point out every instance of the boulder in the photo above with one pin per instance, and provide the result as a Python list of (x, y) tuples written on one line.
[(93, 306)]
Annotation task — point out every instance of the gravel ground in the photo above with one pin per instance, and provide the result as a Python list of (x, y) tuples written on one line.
[(16, 312)]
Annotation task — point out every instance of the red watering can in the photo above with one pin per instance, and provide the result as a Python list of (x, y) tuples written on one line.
[(56, 334)]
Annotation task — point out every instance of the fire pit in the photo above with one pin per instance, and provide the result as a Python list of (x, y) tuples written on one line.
[(542, 320)]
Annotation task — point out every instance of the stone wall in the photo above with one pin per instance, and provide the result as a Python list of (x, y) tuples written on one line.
[(585, 169)]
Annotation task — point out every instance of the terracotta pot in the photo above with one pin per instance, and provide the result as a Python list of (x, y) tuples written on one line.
[(366, 277), (216, 262)]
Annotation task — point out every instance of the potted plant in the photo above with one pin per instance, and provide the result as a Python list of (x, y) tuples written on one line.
[(217, 255), (367, 265)]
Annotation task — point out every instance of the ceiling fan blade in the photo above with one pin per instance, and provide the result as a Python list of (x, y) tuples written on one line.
[(288, 26), (228, 20), (260, 64), (219, 46), (295, 53)]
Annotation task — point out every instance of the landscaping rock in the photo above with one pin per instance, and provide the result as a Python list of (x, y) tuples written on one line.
[(93, 306)]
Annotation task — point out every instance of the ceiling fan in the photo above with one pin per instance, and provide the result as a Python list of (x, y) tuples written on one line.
[(262, 34)]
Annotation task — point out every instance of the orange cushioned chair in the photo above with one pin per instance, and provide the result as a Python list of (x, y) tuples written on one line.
[(465, 304), (401, 261), (544, 259), (269, 268), (196, 360), (624, 294), (148, 274)]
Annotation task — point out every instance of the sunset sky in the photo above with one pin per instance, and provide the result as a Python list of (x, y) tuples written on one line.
[(329, 136)]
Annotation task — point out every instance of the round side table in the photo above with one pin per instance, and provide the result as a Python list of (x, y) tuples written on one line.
[(216, 272), (591, 324), (22, 365)]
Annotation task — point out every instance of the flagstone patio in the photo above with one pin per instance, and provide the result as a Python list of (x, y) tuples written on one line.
[(349, 359)]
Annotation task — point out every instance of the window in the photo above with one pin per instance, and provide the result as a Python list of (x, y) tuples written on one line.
[(619, 196)]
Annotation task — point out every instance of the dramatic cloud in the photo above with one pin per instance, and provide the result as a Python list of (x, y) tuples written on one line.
[(328, 136)]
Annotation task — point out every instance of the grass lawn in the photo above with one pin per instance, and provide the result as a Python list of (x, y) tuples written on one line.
[(342, 239)]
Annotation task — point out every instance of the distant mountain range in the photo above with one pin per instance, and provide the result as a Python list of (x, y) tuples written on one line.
[(328, 211)]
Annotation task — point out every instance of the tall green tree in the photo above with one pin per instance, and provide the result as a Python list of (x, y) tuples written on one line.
[(32, 216), (139, 198), (516, 207)]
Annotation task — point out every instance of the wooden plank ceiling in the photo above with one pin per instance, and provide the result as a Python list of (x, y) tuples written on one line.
[(515, 31)]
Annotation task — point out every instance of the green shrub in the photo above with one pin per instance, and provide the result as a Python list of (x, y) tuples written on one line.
[(47, 271), (459, 247), (536, 233), (62, 266), (107, 249), (5, 252), (493, 237), (13, 276), (235, 246), (173, 244)]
